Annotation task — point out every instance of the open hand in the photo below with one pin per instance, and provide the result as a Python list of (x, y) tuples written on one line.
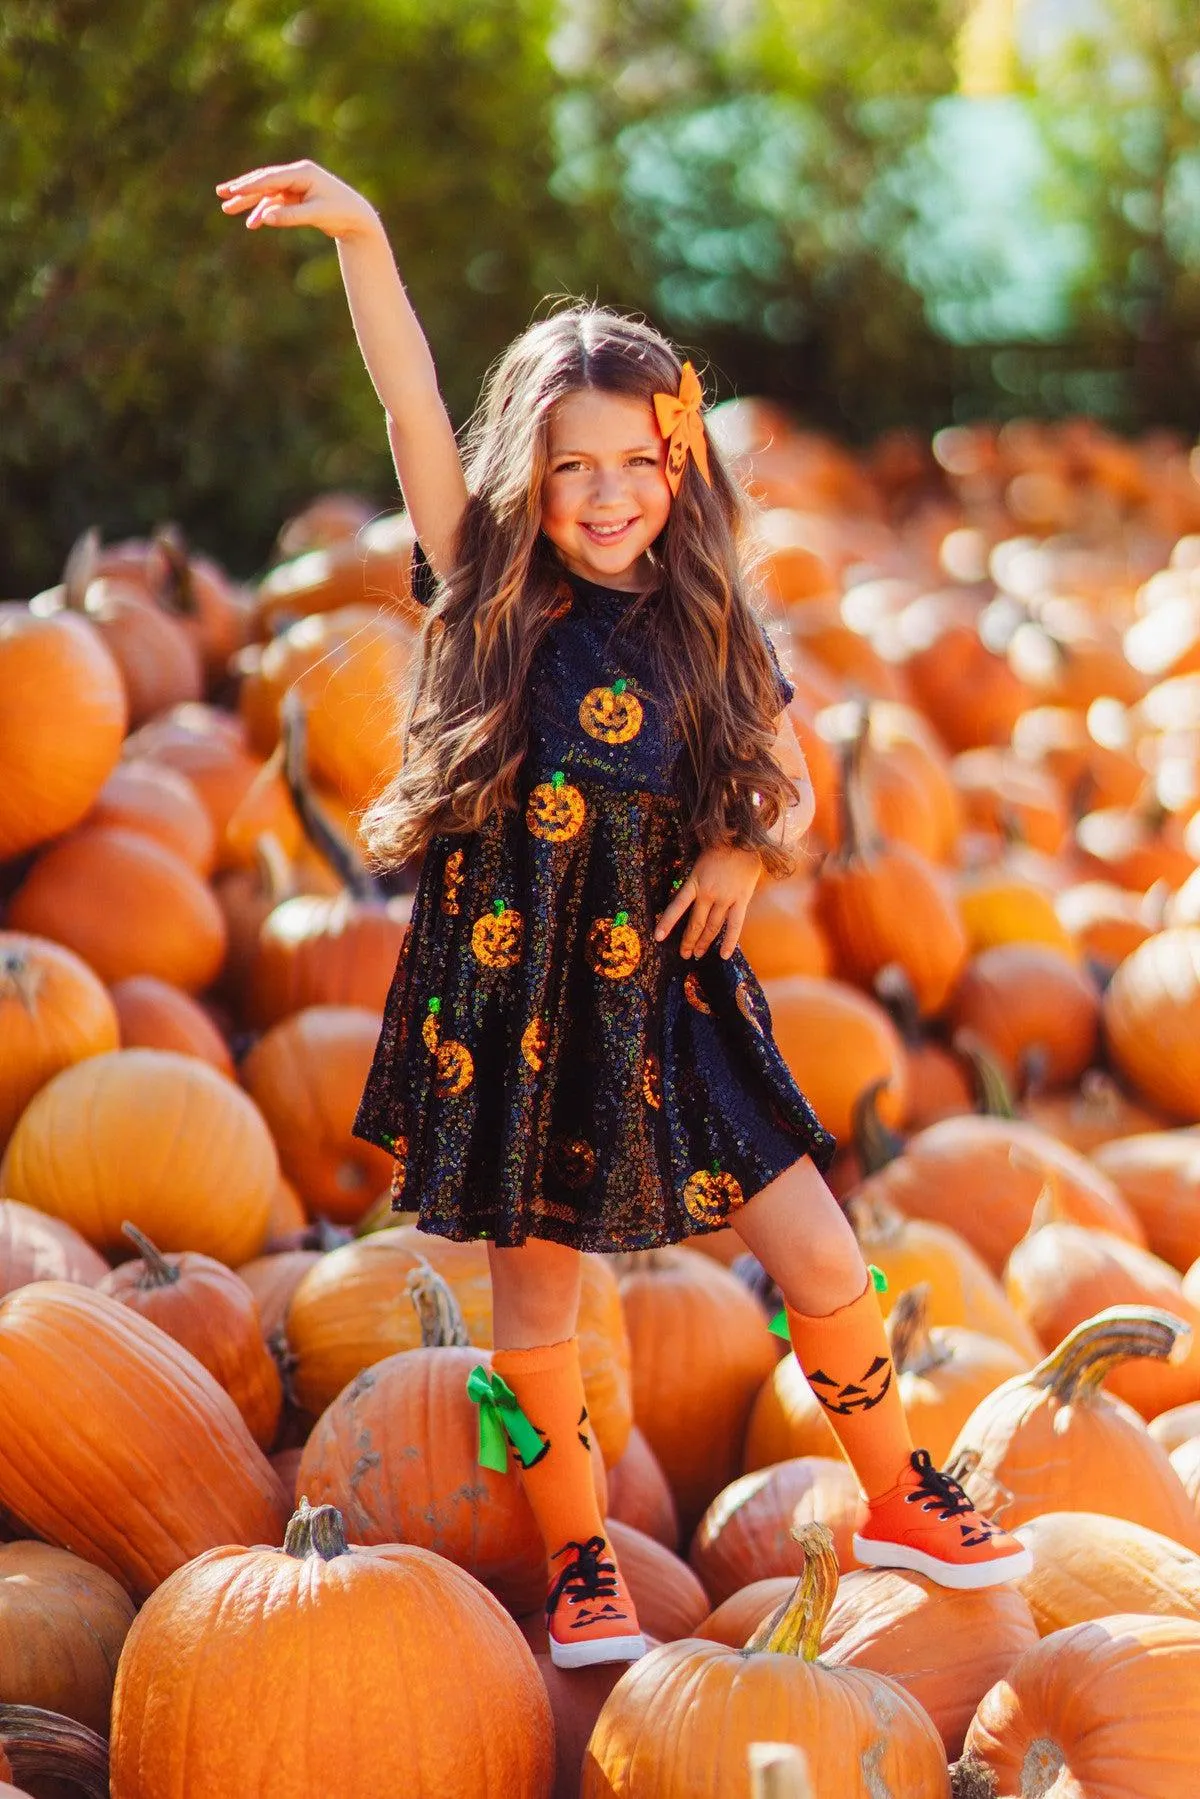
[(298, 193), (718, 890)]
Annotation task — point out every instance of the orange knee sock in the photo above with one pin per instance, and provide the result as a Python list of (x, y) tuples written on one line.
[(848, 1364), (559, 1484)]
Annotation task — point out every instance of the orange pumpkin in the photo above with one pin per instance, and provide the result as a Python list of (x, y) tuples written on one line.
[(126, 904), (611, 714), (700, 1350), (306, 1076), (748, 1532), (638, 1493), (945, 1648), (65, 713), (838, 1043), (53, 1012), (1002, 1165), (496, 937), (1050, 1440), (62, 1624), (1152, 1022), (159, 663), (125, 1397), (1158, 1172), (198, 1171), (160, 801), (1086, 1565), (205, 1306), (555, 810), (614, 948), (232, 1619), (36, 1247), (324, 950), (1024, 1000), (154, 1015), (653, 1733), (1116, 1697)]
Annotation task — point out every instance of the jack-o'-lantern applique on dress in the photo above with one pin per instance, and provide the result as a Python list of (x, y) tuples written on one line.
[(548, 1069)]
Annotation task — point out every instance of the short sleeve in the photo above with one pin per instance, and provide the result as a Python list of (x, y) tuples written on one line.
[(786, 691), (421, 577)]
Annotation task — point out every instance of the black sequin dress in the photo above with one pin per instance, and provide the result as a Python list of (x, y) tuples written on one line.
[(545, 1068)]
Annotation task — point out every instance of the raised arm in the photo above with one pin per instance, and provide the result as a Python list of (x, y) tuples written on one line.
[(393, 345)]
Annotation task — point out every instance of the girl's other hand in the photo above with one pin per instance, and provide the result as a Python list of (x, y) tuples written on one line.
[(298, 193), (718, 890)]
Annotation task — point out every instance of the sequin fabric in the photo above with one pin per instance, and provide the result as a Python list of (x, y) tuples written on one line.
[(545, 1068)]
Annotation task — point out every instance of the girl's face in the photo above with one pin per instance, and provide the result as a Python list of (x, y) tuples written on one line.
[(605, 497)]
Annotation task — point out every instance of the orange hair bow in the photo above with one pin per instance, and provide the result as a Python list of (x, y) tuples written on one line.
[(680, 422)]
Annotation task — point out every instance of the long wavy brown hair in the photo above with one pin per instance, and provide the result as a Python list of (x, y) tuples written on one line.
[(464, 714)]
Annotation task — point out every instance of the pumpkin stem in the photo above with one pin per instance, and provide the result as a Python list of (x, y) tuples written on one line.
[(43, 1745), (1077, 1368), (875, 1222), (913, 1349), (442, 1323), (80, 568), (273, 868), (860, 839), (315, 1530), (157, 1272), (995, 1096), (795, 1628), (177, 590), (877, 1143), (896, 993), (971, 1779), (328, 842)]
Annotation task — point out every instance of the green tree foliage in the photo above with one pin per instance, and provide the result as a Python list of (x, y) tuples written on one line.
[(792, 188)]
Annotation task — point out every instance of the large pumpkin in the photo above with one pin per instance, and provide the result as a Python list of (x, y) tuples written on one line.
[(210, 1310), (1051, 1440), (125, 903), (124, 1398), (682, 1719), (1152, 1021), (35, 1247), (63, 714), (250, 1636), (62, 1624), (315, 950), (945, 1648), (1086, 1565), (53, 1011), (749, 1531), (1158, 1172), (306, 1075), (700, 1350), (982, 1176), (1111, 1706), (838, 1043), (153, 1136)]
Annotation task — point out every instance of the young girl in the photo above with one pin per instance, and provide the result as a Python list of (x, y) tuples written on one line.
[(598, 767)]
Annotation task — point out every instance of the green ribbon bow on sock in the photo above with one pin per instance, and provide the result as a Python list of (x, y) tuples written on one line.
[(779, 1324), (501, 1422)]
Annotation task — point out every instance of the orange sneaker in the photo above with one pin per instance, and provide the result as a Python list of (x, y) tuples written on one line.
[(928, 1524), (589, 1615)]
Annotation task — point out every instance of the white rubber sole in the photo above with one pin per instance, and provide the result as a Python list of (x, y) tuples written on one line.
[(602, 1649), (966, 1576)]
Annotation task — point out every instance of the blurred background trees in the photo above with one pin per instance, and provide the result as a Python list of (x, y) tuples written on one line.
[(882, 215)]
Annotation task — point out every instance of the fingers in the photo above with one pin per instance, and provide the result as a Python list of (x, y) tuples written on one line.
[(283, 174), (735, 919), (702, 927), (679, 903)]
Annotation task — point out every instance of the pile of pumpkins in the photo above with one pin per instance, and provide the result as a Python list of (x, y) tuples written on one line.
[(237, 1459)]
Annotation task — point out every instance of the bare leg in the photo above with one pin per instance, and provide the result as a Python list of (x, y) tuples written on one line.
[(799, 1233), (535, 1293)]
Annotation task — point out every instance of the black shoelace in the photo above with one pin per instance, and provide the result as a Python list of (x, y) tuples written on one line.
[(585, 1576), (937, 1486)]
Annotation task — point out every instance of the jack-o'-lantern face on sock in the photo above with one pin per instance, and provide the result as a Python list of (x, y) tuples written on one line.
[(845, 1398)]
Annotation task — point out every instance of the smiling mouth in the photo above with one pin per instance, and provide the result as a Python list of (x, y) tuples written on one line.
[(604, 533)]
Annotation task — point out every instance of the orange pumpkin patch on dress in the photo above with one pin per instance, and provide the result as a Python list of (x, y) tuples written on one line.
[(455, 1069), (555, 810), (399, 1148), (452, 880), (573, 1161), (611, 714), (693, 992), (429, 1027), (613, 946), (533, 1044), (652, 1082), (709, 1196), (496, 936)]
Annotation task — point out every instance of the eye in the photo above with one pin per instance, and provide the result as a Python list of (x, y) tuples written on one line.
[(646, 461), (564, 468)]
